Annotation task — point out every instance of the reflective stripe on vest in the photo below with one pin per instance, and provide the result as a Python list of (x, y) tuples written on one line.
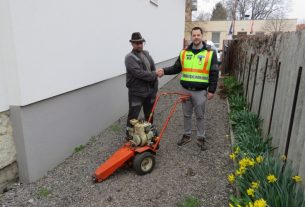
[(196, 68)]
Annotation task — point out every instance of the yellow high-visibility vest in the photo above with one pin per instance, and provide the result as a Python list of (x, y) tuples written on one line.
[(196, 68)]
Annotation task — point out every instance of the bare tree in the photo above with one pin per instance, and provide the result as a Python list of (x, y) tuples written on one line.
[(275, 23), (202, 16), (243, 6), (257, 9), (237, 8), (262, 9), (230, 8)]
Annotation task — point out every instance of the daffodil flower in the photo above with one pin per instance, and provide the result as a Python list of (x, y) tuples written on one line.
[(297, 178), (271, 178), (250, 192), (231, 178), (259, 159), (255, 185), (260, 203)]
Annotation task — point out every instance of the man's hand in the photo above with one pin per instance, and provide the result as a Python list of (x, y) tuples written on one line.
[(160, 72), (210, 95)]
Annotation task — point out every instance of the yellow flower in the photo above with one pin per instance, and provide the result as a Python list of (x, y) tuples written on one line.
[(255, 185), (244, 162), (251, 162), (232, 156), (231, 178), (259, 159), (240, 171), (243, 169), (250, 192), (271, 178), (230, 205), (297, 178), (237, 172), (260, 203), (283, 157)]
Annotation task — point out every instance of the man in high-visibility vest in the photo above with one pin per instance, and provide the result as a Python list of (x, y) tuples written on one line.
[(199, 67)]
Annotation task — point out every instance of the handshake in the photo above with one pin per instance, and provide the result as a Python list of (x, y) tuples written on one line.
[(160, 72)]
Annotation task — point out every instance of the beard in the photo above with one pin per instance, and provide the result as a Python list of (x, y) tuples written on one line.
[(196, 42)]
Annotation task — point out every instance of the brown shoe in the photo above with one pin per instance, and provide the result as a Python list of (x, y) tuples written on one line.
[(184, 140), (201, 144)]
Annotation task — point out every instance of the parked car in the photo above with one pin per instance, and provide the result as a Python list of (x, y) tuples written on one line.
[(213, 47)]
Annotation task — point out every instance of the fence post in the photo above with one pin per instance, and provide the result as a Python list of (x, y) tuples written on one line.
[(253, 88), (250, 63), (244, 68), (263, 87), (273, 102), (295, 99)]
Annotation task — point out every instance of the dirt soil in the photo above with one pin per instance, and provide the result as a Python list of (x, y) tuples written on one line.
[(180, 172)]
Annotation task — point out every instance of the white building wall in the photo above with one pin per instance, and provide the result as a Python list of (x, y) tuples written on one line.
[(3, 95), (56, 46), (8, 77), (62, 72)]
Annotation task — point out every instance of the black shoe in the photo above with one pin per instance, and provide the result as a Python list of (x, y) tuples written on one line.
[(185, 139), (201, 144)]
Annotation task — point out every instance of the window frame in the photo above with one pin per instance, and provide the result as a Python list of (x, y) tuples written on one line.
[(155, 2), (216, 43)]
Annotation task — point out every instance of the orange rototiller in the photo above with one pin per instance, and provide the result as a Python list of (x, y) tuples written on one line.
[(141, 149)]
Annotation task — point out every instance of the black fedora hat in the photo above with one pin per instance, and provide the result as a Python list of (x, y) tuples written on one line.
[(137, 37)]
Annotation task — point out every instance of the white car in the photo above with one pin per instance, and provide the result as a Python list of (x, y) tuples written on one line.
[(213, 47)]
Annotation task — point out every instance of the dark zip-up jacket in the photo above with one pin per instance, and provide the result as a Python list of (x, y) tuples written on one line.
[(139, 80), (213, 75)]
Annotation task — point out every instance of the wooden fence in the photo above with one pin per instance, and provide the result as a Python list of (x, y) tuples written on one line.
[(271, 69)]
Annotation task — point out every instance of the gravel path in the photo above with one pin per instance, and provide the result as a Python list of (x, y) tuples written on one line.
[(180, 172)]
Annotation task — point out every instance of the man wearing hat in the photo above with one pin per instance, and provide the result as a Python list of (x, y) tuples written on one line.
[(141, 79)]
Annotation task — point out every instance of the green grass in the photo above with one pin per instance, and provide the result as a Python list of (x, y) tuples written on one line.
[(190, 202), (79, 148), (115, 127), (43, 192)]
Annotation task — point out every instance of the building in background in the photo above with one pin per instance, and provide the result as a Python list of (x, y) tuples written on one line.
[(217, 31), (62, 69)]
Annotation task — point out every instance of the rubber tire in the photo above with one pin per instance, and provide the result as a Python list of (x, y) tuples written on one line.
[(139, 158)]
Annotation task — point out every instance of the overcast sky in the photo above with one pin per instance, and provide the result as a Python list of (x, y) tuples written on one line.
[(297, 9)]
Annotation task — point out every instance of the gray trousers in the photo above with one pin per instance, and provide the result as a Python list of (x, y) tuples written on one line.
[(197, 104)]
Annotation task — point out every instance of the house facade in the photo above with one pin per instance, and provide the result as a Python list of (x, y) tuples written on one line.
[(217, 31)]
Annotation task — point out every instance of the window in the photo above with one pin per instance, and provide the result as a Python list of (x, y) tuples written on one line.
[(216, 39), (194, 5), (155, 2)]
